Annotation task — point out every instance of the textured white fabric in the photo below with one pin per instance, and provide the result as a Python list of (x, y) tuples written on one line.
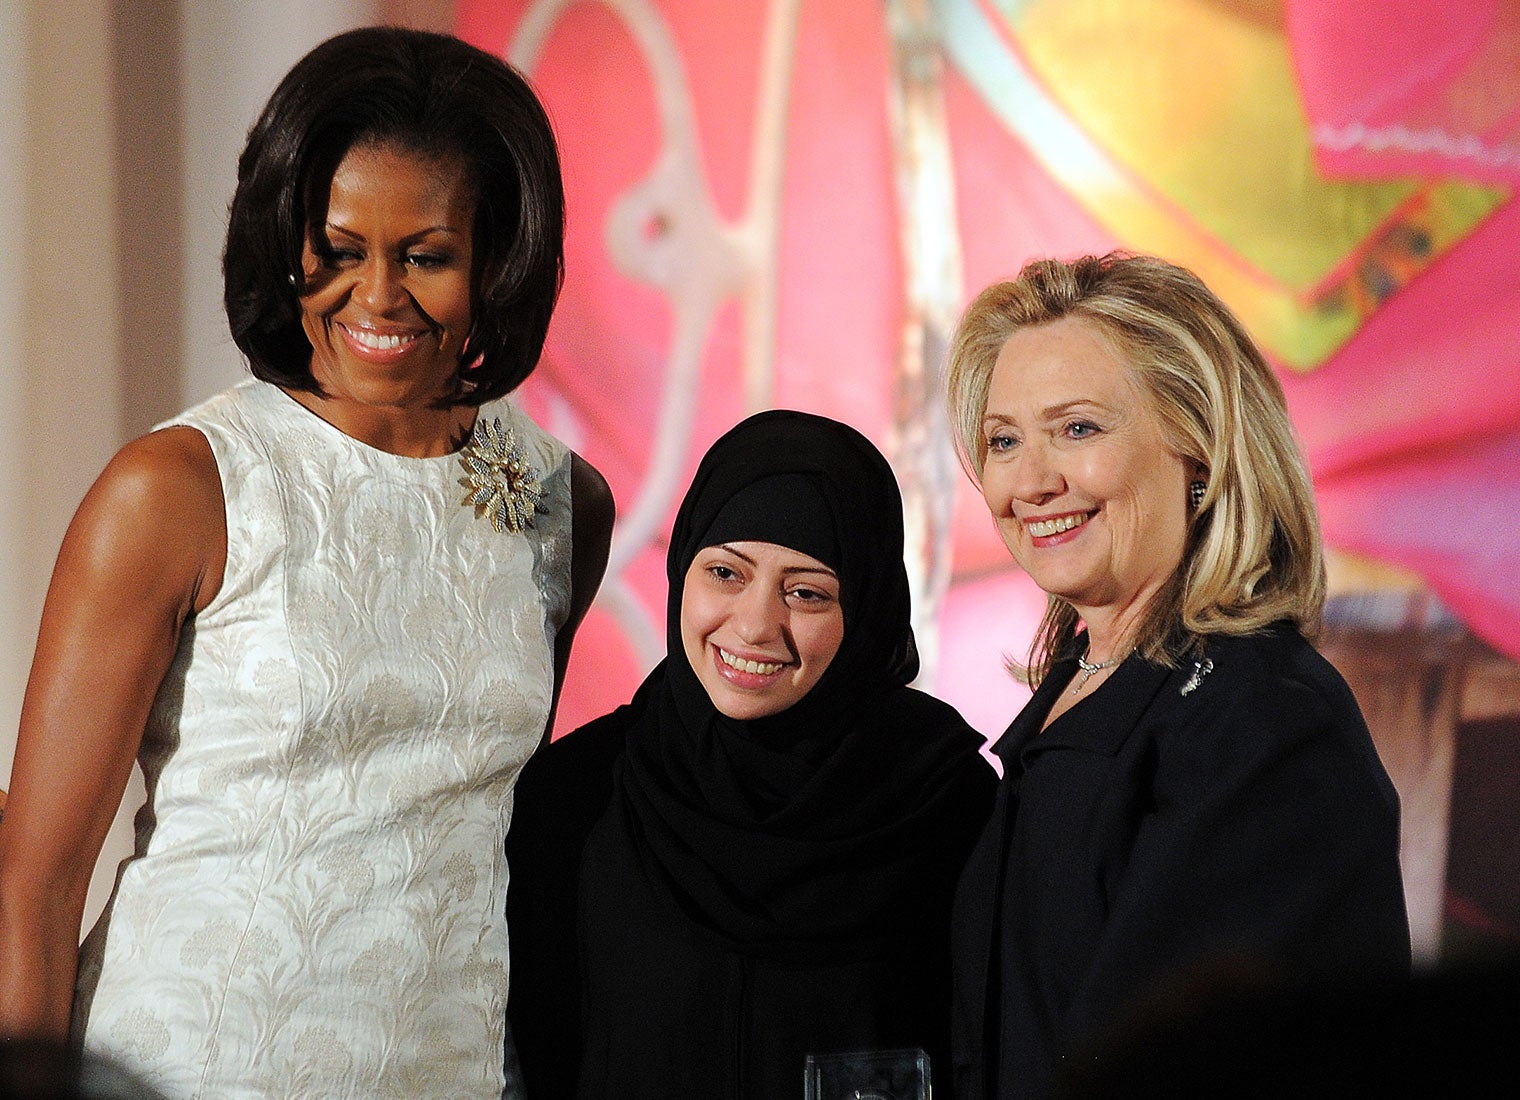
[(316, 902)]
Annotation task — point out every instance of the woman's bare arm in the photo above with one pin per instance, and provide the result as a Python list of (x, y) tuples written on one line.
[(144, 552)]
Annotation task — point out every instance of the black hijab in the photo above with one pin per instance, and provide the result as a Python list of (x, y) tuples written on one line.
[(806, 833)]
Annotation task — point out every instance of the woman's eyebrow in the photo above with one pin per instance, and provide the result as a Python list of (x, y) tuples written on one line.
[(823, 569), (335, 227)]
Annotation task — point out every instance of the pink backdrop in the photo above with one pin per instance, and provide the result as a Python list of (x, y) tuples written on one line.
[(1384, 282)]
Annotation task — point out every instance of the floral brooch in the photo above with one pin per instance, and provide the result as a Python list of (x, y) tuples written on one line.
[(503, 485)]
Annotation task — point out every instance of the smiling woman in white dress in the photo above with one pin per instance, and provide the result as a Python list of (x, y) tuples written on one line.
[(328, 611)]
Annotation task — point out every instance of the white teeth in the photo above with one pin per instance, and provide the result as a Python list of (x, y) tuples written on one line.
[(378, 340), (1042, 528), (756, 668)]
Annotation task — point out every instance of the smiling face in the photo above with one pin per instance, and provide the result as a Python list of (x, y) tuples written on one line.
[(388, 295), (1085, 492), (759, 624)]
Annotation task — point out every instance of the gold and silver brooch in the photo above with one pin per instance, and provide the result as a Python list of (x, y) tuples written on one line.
[(503, 485)]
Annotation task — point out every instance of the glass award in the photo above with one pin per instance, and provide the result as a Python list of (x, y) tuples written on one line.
[(867, 1075)]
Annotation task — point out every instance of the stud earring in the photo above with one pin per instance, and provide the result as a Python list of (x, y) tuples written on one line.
[(1196, 489)]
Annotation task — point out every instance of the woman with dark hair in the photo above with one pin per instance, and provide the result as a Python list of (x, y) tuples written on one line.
[(328, 611), (1191, 787), (441, 102), (752, 860)]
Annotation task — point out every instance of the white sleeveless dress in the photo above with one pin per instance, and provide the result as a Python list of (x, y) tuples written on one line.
[(315, 906)]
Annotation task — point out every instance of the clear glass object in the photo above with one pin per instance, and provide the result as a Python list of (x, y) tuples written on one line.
[(867, 1075)]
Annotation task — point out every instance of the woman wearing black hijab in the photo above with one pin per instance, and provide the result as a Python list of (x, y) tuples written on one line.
[(752, 860)]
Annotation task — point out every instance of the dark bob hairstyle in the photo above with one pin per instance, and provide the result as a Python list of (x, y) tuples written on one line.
[(429, 94)]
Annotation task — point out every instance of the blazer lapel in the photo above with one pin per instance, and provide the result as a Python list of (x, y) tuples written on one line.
[(1103, 721)]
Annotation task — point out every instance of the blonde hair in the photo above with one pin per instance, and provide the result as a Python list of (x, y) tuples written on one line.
[(1253, 554)]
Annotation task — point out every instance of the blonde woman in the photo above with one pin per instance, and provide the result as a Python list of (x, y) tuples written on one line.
[(1192, 784)]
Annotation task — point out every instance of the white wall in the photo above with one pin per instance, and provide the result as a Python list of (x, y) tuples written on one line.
[(15, 609), (59, 384), (59, 347), (234, 53)]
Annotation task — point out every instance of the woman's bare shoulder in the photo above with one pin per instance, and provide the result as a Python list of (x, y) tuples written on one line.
[(172, 465), (157, 504)]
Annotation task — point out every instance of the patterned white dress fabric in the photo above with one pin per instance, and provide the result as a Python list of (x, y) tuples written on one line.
[(315, 906)]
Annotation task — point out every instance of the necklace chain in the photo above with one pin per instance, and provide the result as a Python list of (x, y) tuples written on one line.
[(1089, 670)]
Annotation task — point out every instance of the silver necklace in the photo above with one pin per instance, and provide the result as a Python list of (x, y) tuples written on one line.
[(1089, 670)]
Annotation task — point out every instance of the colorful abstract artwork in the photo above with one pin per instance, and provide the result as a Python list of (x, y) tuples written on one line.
[(785, 203)]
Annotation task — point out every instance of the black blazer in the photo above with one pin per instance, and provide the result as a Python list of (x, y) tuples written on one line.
[(1233, 809)]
